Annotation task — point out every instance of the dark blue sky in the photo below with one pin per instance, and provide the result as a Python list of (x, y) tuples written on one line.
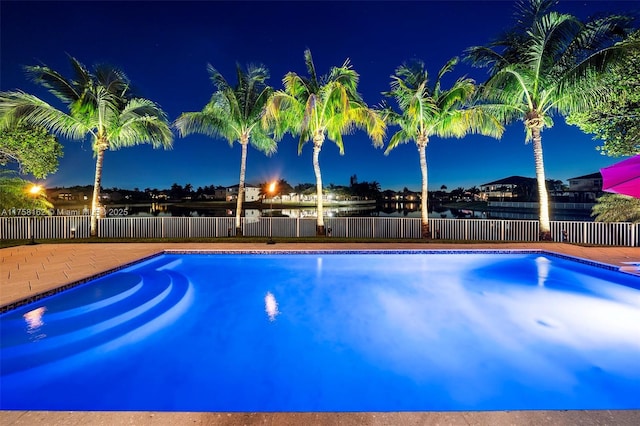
[(164, 48)]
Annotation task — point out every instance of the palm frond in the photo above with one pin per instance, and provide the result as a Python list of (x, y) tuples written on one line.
[(136, 126), (553, 59), (82, 77), (236, 112), (528, 12), (371, 121), (263, 142), (198, 122), (18, 106), (398, 138), (218, 79), (426, 111), (114, 81), (319, 107), (448, 67), (311, 69), (57, 85)]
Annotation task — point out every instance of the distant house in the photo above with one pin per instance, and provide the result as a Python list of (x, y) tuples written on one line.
[(251, 193), (404, 196), (585, 189), (67, 196), (219, 194), (160, 196), (511, 187), (292, 197), (113, 196), (410, 196), (388, 195), (592, 182)]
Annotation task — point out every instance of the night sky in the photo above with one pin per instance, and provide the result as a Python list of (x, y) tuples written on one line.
[(164, 47)]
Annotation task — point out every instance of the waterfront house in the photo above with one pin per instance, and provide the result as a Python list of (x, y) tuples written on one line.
[(510, 187), (585, 189), (219, 194), (251, 193)]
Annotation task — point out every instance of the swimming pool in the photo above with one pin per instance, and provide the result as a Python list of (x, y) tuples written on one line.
[(330, 331)]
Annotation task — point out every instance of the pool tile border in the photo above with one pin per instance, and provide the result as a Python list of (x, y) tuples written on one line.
[(403, 251), (45, 294)]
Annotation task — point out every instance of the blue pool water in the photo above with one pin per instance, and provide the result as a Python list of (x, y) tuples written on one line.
[(330, 332)]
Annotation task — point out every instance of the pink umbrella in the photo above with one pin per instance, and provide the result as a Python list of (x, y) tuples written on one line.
[(623, 177)]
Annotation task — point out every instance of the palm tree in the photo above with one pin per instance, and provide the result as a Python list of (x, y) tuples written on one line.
[(234, 114), (550, 63), (616, 208), (319, 108), (100, 104), (427, 111)]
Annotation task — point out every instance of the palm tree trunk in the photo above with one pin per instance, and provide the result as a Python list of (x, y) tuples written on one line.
[(243, 167), (317, 146), (96, 207), (543, 196), (422, 148)]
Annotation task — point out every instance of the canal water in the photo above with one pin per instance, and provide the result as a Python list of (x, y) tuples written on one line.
[(368, 210)]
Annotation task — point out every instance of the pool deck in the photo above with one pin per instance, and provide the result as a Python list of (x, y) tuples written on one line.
[(29, 270)]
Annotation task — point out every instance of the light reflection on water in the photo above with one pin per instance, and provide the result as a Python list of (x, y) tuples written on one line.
[(542, 264), (409, 210), (34, 320), (271, 306)]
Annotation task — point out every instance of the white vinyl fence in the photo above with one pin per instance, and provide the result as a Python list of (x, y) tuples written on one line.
[(70, 227), (44, 227)]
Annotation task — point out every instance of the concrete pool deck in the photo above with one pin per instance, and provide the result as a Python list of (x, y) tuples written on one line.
[(33, 269)]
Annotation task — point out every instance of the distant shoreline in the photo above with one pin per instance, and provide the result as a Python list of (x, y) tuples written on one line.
[(212, 204)]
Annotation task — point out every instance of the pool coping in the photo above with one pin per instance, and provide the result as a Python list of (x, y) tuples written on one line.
[(42, 295)]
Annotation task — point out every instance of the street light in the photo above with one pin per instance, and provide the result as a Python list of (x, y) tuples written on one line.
[(272, 189), (34, 191)]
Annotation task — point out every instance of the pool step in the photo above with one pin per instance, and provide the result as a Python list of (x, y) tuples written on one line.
[(157, 263), (162, 295), (63, 318), (89, 296)]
